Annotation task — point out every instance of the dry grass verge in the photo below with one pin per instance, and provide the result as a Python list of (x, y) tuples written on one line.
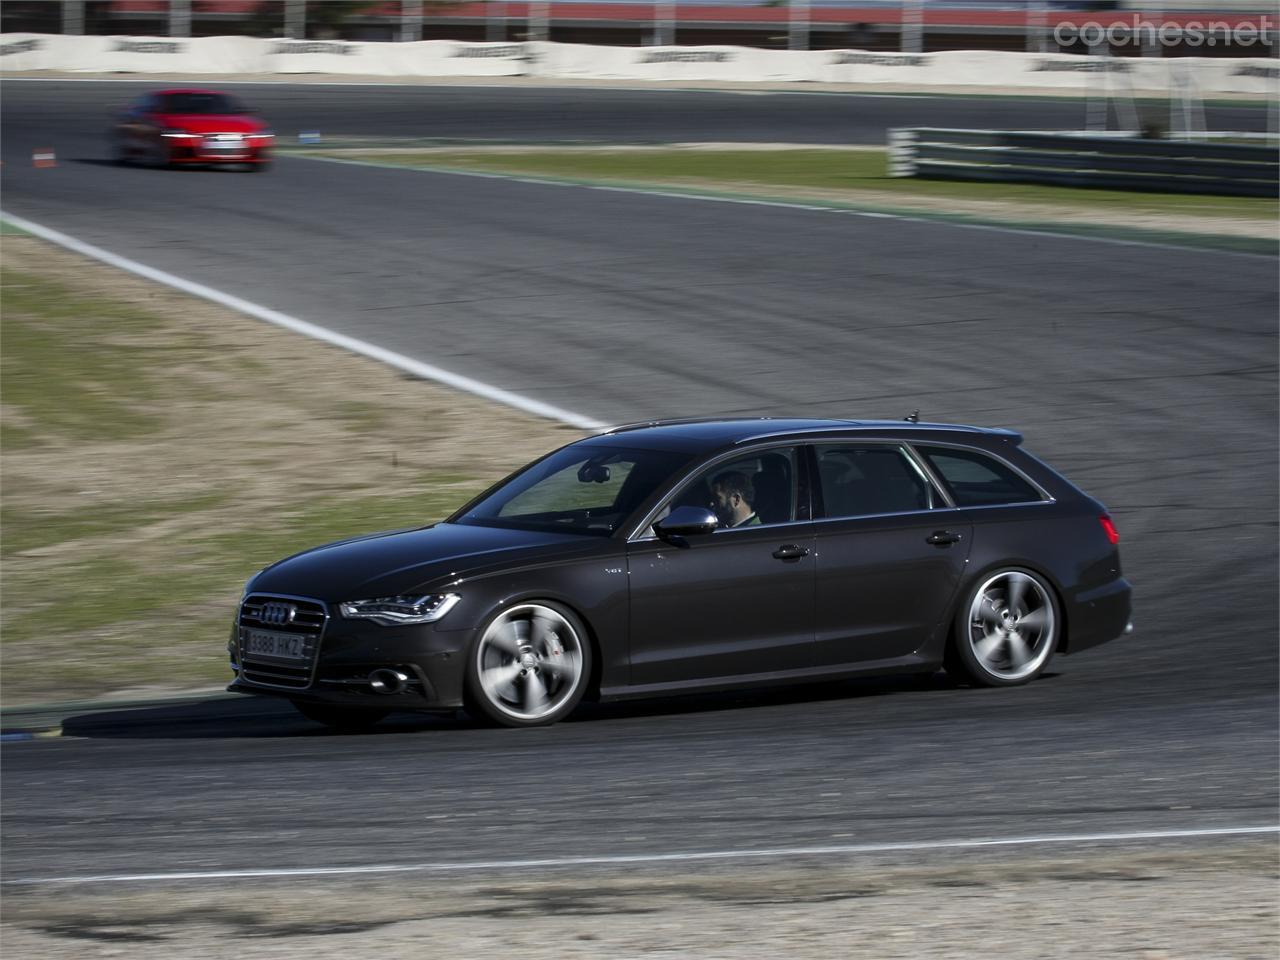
[(159, 449)]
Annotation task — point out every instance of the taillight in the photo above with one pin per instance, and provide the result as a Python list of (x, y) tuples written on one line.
[(1109, 529)]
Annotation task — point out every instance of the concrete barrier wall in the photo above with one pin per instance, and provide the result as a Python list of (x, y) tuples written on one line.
[(446, 58)]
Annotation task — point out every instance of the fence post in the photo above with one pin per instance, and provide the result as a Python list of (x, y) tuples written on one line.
[(410, 21), (1037, 27), (912, 26), (295, 19), (495, 22), (799, 34), (179, 18), (1150, 39), (902, 152), (664, 23), (539, 20), (1095, 110), (73, 17)]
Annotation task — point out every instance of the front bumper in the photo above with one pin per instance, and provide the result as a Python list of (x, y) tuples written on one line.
[(200, 150), (345, 656)]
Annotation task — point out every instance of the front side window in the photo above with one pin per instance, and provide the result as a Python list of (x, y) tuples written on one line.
[(753, 490), (859, 480), (977, 480), (580, 489)]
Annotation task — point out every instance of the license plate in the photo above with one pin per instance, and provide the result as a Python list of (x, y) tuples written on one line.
[(219, 144), (281, 646)]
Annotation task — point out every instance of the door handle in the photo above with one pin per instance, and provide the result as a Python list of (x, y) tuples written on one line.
[(942, 538), (791, 551)]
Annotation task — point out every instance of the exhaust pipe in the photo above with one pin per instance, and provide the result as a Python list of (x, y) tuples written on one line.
[(387, 681)]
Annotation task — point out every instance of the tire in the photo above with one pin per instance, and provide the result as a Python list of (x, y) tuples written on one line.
[(340, 718), (1006, 630), (529, 666)]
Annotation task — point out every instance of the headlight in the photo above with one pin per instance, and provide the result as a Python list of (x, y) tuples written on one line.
[(393, 611), (265, 134), (175, 132)]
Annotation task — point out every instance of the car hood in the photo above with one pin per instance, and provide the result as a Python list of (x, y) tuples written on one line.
[(391, 564), (212, 123)]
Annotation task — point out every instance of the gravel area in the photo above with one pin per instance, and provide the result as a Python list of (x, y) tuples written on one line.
[(1200, 901)]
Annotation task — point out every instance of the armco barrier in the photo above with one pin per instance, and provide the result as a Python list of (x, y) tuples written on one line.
[(1079, 160), (447, 58)]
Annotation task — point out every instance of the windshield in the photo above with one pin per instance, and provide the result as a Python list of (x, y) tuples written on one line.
[(580, 489), (209, 103)]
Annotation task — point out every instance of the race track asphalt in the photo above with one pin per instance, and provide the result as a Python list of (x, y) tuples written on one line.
[(1147, 374)]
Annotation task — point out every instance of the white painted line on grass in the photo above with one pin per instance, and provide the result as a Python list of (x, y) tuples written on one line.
[(426, 371), (641, 858)]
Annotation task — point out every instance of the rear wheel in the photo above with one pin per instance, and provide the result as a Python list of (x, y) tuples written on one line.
[(1006, 631), (529, 667), (340, 718)]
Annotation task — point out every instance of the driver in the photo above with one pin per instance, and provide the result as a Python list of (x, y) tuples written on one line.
[(733, 498)]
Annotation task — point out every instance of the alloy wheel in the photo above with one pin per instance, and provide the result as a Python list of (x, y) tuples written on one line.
[(1012, 626), (530, 665)]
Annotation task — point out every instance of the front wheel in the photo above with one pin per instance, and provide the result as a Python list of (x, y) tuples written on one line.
[(1006, 631), (339, 718), (529, 667)]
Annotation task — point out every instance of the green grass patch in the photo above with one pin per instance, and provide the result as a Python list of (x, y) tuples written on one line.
[(121, 601), (69, 365), (821, 170), (32, 529)]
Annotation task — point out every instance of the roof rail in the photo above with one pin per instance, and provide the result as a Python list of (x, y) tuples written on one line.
[(673, 422)]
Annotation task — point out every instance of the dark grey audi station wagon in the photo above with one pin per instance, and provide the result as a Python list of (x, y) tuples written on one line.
[(682, 556)]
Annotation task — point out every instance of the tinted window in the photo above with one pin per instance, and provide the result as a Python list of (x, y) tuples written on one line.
[(576, 490), (977, 480), (210, 103), (748, 491), (866, 479)]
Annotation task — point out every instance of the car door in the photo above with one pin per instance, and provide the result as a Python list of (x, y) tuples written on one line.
[(734, 603), (889, 548)]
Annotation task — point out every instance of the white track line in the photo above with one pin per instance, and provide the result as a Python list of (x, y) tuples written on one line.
[(945, 221), (639, 858), (416, 367)]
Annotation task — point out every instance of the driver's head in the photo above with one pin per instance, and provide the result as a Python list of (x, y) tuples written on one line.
[(732, 496)]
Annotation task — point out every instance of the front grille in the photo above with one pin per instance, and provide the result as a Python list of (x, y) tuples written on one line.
[(301, 621)]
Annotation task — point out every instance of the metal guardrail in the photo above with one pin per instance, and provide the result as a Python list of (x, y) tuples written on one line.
[(1082, 160)]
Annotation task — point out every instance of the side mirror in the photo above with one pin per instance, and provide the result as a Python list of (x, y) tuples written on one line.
[(686, 522)]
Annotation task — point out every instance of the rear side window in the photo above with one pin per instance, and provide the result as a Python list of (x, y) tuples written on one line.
[(861, 480), (977, 480)]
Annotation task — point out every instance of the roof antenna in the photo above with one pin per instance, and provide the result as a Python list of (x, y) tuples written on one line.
[(912, 417)]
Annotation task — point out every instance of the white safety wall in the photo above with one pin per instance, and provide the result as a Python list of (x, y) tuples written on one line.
[(445, 58)]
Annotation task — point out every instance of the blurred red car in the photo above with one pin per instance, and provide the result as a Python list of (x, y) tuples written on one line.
[(173, 127)]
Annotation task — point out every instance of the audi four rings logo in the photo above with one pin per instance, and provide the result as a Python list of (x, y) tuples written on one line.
[(278, 614)]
